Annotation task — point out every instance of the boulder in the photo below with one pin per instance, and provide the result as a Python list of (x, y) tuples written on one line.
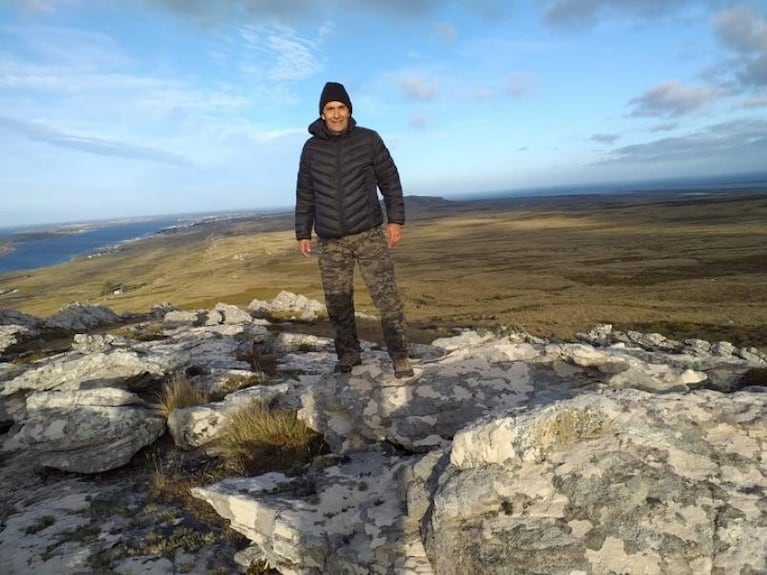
[(12, 334), (16, 327), (616, 482), (81, 317), (287, 305), (87, 431)]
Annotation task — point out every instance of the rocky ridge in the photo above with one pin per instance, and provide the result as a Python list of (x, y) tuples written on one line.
[(505, 453)]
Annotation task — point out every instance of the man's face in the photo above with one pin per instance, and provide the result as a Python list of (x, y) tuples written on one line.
[(336, 116)]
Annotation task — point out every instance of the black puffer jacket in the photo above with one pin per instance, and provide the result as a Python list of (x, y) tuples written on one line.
[(338, 178)]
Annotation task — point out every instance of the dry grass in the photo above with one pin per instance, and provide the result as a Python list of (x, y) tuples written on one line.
[(678, 264), (260, 438), (178, 393)]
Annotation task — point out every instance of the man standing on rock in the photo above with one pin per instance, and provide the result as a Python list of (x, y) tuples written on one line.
[(342, 167)]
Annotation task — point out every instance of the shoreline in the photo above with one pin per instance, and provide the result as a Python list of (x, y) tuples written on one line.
[(21, 241)]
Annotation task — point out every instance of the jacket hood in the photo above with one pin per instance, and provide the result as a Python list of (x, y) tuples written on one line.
[(320, 130)]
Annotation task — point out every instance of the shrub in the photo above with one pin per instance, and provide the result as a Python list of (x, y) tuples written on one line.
[(179, 392), (260, 438)]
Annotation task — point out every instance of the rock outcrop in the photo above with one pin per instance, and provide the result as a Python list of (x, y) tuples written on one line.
[(287, 305), (617, 453), (537, 456), (81, 317)]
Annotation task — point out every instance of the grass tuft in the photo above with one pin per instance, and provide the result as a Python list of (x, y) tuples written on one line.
[(260, 438), (179, 392)]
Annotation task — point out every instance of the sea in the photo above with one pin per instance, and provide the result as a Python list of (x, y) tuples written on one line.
[(40, 246)]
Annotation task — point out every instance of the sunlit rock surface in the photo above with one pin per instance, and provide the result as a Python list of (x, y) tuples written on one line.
[(504, 453)]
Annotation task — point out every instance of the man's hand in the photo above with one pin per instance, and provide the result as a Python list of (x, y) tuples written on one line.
[(394, 234), (305, 247)]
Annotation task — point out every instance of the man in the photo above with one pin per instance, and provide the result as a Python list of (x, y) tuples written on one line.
[(342, 167)]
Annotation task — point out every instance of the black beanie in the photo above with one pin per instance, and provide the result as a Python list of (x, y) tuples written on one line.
[(334, 92)]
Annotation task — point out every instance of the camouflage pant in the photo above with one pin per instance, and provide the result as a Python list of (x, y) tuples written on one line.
[(337, 258)]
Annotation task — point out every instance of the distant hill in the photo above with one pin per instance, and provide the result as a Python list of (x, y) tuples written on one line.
[(426, 201)]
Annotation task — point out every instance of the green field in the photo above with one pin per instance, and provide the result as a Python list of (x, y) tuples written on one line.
[(684, 265)]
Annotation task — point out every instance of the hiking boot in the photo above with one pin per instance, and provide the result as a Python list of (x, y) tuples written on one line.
[(402, 368), (346, 363)]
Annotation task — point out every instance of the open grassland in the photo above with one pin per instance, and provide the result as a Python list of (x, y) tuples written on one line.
[(685, 265)]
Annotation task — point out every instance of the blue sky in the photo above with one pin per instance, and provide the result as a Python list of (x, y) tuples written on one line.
[(138, 107)]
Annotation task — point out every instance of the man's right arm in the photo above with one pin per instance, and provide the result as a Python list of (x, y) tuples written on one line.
[(304, 213)]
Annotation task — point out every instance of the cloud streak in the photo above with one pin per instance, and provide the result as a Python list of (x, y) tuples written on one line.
[(288, 57), (91, 145), (672, 99), (727, 139)]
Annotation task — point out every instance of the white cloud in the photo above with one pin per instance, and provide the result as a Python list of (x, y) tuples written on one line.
[(269, 53)]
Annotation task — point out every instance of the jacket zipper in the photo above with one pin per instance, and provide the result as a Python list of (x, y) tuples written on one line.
[(341, 215)]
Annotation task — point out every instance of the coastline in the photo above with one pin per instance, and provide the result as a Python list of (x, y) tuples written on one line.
[(42, 247)]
